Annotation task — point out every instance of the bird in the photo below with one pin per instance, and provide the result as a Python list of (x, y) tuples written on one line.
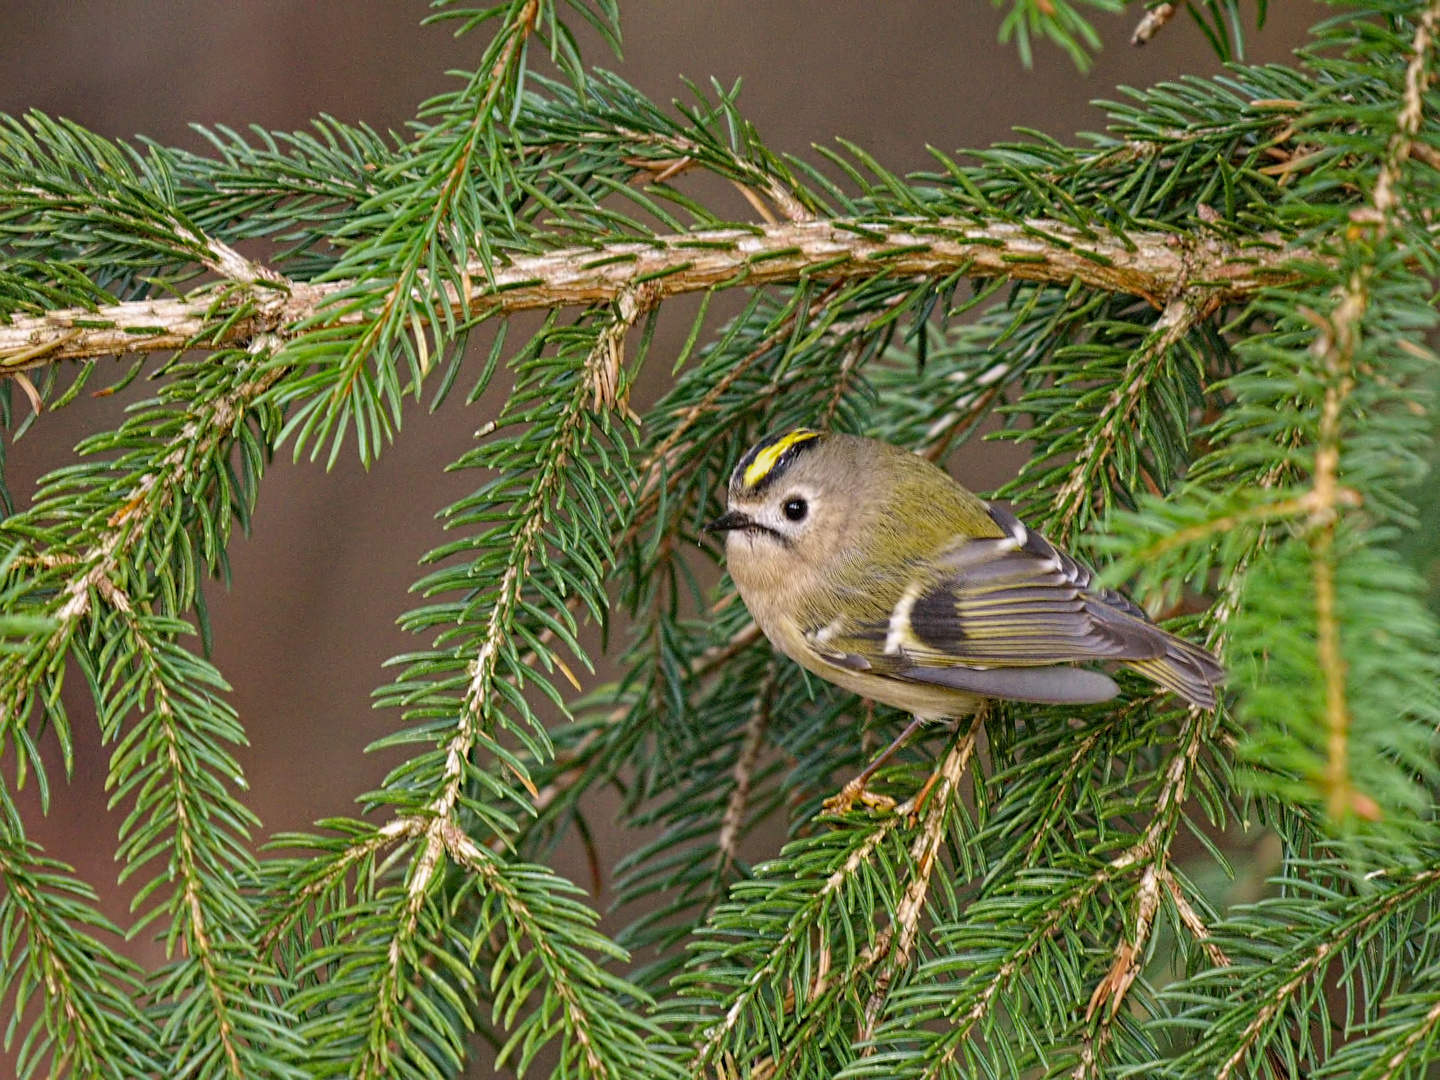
[(874, 569)]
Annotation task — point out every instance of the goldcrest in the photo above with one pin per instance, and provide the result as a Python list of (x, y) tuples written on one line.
[(872, 568)]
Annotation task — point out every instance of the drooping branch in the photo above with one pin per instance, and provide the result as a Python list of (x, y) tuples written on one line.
[(1337, 344), (1154, 265)]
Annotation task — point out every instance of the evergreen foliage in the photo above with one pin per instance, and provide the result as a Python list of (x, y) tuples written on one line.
[(1210, 326)]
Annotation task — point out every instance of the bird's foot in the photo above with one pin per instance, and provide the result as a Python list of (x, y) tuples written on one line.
[(855, 791)]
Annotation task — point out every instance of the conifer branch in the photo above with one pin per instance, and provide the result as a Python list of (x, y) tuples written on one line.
[(800, 927), (1179, 771), (93, 571), (1336, 345), (92, 1027), (982, 1002), (1262, 513), (190, 881), (923, 855), (397, 312), (1150, 265), (434, 829), (1150, 850), (1178, 318), (1421, 1033), (1191, 919), (1339, 353), (1310, 960), (685, 154), (1063, 791), (1126, 964), (577, 1018), (1418, 76), (743, 773), (1207, 324)]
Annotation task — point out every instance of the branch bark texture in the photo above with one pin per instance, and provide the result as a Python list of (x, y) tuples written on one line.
[(1154, 265)]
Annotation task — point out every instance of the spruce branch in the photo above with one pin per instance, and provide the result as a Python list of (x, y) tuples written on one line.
[(1150, 265), (1303, 964), (1422, 1032), (1418, 76), (434, 828), (728, 838), (170, 796), (683, 154), (94, 571), (1126, 965), (1191, 919), (1023, 919), (580, 1013), (749, 997), (1212, 319), (88, 1021), (1178, 319), (924, 853), (1177, 776), (442, 845), (1336, 344), (438, 205), (111, 574)]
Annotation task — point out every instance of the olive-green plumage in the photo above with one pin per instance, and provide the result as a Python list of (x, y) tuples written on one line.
[(871, 567)]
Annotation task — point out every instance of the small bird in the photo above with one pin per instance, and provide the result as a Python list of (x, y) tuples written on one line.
[(872, 568)]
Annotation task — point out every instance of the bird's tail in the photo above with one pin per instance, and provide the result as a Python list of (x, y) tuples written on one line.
[(1186, 670)]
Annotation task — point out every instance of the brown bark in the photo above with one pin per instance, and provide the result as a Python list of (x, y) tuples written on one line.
[(1154, 265)]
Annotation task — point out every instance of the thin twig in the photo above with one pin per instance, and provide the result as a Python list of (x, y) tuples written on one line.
[(683, 154), (1144, 366), (743, 773), (470, 855), (214, 422), (1315, 961), (1421, 1033), (715, 1036), (1126, 964), (1260, 514), (924, 853), (1191, 918)]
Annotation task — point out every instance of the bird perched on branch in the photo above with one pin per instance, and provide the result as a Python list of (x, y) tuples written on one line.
[(872, 568)]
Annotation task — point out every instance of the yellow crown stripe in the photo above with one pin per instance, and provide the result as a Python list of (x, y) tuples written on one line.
[(765, 460)]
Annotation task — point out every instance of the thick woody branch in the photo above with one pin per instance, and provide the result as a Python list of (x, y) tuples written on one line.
[(1154, 265)]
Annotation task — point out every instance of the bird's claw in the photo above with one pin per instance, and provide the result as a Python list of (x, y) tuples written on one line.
[(855, 791)]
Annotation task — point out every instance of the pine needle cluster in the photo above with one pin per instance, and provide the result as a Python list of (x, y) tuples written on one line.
[(1211, 327)]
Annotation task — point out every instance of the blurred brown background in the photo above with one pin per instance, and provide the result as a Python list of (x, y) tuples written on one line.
[(317, 587)]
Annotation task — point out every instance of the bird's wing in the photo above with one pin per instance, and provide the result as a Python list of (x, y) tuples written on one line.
[(994, 616)]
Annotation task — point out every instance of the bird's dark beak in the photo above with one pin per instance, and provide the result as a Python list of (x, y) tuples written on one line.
[(729, 521)]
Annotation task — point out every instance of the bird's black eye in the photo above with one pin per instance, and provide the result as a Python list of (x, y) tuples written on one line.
[(795, 508)]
